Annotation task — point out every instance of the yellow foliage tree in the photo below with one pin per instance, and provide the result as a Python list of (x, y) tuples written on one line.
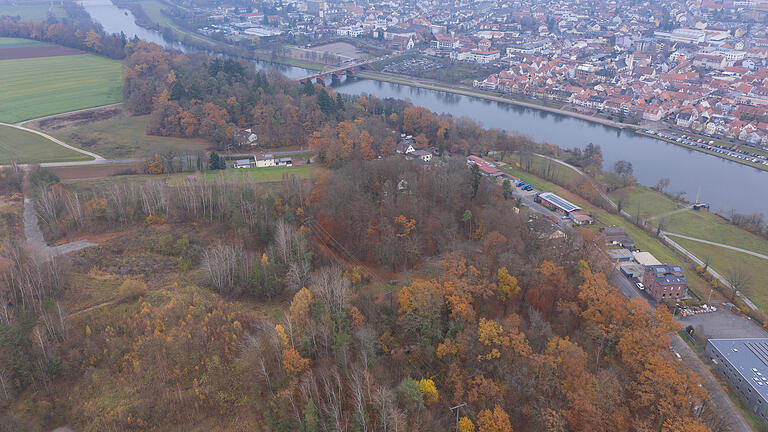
[(299, 308), (466, 425), (491, 334), (493, 421), (282, 335), (293, 362), (507, 285), (429, 391)]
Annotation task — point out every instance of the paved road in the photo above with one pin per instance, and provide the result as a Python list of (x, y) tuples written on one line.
[(36, 241), (720, 399), (711, 271), (722, 402), (748, 252)]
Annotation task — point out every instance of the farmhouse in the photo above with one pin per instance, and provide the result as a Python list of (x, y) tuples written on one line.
[(564, 207)]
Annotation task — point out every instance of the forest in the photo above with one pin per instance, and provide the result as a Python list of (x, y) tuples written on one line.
[(375, 297)]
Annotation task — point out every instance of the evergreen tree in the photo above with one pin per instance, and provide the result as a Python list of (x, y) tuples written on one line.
[(474, 177), (339, 102), (325, 102), (309, 88), (507, 189), (214, 162)]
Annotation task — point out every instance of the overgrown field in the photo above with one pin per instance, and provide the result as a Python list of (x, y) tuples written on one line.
[(125, 136), (36, 87), (28, 147)]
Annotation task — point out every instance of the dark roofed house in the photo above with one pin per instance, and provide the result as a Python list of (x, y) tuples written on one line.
[(665, 282), (618, 236), (406, 145)]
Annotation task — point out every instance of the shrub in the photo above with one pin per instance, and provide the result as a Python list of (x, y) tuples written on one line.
[(155, 220), (131, 289)]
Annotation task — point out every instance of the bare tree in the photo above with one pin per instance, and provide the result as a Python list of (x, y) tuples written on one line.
[(739, 279)]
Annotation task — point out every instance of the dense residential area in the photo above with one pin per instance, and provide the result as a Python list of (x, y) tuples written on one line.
[(694, 65), (343, 216)]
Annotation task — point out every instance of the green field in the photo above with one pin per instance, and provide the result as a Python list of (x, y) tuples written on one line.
[(650, 202), (28, 147), (261, 175), (6, 42), (37, 87), (709, 226), (30, 10), (154, 10), (725, 260), (125, 136)]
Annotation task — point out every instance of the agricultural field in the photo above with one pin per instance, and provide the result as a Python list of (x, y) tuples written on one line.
[(31, 10), (55, 83), (124, 136), (28, 147)]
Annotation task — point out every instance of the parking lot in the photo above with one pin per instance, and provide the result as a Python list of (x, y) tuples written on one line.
[(723, 324)]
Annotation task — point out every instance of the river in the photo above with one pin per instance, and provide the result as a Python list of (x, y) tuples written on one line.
[(724, 184), (115, 20)]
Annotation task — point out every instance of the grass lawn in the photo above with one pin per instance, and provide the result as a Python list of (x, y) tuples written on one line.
[(650, 202), (28, 147), (30, 10), (724, 260), (709, 226), (7, 42), (37, 87), (261, 175), (124, 137)]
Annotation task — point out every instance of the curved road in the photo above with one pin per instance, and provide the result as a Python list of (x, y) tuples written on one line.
[(748, 252), (96, 158)]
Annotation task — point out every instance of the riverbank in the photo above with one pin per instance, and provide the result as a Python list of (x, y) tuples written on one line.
[(472, 92), (467, 91), (709, 152)]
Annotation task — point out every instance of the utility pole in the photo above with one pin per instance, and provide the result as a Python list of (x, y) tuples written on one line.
[(457, 407)]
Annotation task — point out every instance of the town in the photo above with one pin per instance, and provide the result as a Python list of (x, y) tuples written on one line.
[(692, 66)]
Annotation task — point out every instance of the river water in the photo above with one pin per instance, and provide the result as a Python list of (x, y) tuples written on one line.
[(724, 184), (115, 20)]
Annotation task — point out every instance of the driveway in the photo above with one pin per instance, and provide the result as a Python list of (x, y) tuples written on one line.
[(36, 241)]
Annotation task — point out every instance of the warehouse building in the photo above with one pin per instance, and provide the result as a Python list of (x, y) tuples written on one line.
[(564, 207), (744, 364)]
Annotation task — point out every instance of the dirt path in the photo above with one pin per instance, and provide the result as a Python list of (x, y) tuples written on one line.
[(718, 276), (733, 248), (36, 241), (96, 158)]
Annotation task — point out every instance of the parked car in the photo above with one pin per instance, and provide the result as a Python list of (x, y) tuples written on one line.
[(640, 286)]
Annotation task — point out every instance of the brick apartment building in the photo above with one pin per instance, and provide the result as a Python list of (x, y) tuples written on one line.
[(664, 282)]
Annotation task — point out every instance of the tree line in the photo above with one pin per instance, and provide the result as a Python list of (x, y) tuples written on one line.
[(76, 30)]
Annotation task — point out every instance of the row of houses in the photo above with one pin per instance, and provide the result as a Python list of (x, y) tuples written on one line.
[(263, 161)]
